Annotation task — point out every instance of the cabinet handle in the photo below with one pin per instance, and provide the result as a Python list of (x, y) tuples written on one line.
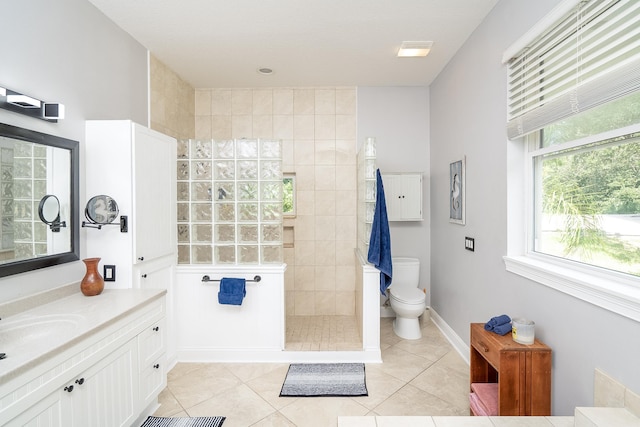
[(484, 346), (80, 381), (156, 366), (140, 258), (156, 328), (68, 389), (144, 276)]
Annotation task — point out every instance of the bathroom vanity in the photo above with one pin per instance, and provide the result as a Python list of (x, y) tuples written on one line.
[(84, 361)]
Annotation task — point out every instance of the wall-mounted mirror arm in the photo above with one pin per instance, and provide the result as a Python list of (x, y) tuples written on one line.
[(103, 210)]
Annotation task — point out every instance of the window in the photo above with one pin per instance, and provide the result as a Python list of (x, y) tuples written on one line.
[(574, 119), (586, 187), (289, 195)]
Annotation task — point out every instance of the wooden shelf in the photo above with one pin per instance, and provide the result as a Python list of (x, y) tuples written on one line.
[(523, 372)]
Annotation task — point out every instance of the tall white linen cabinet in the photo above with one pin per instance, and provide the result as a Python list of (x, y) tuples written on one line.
[(136, 166)]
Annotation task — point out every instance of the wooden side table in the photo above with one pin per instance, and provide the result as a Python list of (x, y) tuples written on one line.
[(523, 372)]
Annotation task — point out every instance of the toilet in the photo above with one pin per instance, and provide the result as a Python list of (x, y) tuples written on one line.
[(408, 301)]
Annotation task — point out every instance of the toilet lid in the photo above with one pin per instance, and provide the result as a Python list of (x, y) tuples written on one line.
[(407, 295)]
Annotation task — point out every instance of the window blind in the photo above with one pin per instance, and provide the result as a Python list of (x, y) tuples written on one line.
[(589, 57)]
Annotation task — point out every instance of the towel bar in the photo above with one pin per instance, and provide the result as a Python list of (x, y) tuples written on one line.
[(206, 278)]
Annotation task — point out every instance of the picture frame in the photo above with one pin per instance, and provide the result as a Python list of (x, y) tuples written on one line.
[(457, 190)]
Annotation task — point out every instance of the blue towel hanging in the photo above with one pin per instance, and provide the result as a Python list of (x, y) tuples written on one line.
[(380, 241), (232, 291)]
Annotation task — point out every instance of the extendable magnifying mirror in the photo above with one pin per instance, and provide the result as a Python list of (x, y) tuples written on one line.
[(49, 212), (102, 210)]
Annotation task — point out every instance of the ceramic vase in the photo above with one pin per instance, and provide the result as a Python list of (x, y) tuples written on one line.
[(92, 283)]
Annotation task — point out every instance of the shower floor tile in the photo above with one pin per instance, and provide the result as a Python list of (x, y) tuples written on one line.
[(328, 333)]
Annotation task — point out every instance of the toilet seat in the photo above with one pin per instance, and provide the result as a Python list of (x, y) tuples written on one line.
[(407, 295)]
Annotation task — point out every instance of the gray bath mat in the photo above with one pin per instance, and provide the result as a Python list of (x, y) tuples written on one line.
[(324, 379), (184, 422)]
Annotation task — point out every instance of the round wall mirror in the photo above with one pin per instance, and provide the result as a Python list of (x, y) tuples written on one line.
[(101, 209), (49, 212)]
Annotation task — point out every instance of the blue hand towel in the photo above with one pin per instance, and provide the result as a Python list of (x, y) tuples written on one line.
[(232, 291), (499, 324), (380, 240)]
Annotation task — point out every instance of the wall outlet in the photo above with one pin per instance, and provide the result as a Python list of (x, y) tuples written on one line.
[(470, 244), (109, 273)]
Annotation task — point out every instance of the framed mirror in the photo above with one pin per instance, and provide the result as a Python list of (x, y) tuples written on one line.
[(39, 178)]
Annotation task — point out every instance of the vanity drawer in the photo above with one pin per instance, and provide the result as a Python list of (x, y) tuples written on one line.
[(487, 347), (152, 342)]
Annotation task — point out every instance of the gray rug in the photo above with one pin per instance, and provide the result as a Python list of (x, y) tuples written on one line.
[(183, 422), (324, 379)]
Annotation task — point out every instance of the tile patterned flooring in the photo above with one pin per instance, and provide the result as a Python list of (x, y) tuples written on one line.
[(323, 333), (417, 377)]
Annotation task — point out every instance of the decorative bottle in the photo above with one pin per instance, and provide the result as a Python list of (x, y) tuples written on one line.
[(92, 283)]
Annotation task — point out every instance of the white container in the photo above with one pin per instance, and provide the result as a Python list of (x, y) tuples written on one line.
[(523, 331)]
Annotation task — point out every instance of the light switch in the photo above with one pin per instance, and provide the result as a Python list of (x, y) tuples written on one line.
[(109, 273), (469, 244)]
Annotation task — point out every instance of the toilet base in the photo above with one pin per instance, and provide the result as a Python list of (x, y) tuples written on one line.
[(409, 329)]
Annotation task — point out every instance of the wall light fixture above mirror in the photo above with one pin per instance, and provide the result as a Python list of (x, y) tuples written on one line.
[(30, 106)]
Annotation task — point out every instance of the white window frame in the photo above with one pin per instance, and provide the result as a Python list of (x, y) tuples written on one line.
[(614, 291)]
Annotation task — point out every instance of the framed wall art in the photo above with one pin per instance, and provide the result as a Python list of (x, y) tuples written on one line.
[(457, 192)]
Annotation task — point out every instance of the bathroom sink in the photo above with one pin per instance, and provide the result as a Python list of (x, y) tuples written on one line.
[(33, 331)]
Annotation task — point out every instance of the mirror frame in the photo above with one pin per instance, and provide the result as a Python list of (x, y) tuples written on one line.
[(35, 137)]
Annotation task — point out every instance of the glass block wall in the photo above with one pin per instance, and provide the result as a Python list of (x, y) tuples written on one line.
[(229, 201), (366, 192), (24, 183)]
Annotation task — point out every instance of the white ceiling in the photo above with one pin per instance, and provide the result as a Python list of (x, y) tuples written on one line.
[(215, 43)]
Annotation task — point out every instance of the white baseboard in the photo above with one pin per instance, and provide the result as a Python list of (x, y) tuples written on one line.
[(458, 344)]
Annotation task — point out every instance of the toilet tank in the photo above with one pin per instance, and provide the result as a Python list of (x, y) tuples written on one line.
[(406, 272)]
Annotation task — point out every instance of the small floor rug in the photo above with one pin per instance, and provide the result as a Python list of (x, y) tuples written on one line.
[(183, 422), (324, 379)]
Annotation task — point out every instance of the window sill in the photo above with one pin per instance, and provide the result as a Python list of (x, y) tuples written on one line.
[(620, 295)]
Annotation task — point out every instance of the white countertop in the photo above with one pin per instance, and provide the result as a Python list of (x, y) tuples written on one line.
[(36, 334)]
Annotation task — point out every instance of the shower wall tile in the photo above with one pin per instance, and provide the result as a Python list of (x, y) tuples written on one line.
[(241, 102), (345, 101), (325, 101), (304, 152), (305, 253), (325, 127), (305, 278), (283, 126), (263, 126), (325, 303), (346, 277), (325, 278), (345, 127), (203, 129), (303, 101), (288, 156), (325, 228), (325, 203), (305, 202), (283, 101), (348, 202), (346, 228), (221, 127), (325, 152), (304, 302), (241, 126), (325, 177), (220, 103), (344, 253), (203, 102), (346, 152), (346, 178), (303, 126), (262, 102), (305, 178), (345, 303), (325, 253)]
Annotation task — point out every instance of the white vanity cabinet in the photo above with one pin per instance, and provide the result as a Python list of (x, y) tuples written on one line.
[(110, 378), (136, 166), (403, 195)]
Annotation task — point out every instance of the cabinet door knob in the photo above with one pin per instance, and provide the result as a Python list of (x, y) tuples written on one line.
[(156, 328), (144, 276), (80, 381), (156, 366), (140, 258), (68, 388)]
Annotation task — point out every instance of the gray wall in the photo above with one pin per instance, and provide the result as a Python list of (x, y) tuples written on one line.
[(69, 52), (468, 116), (398, 117)]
